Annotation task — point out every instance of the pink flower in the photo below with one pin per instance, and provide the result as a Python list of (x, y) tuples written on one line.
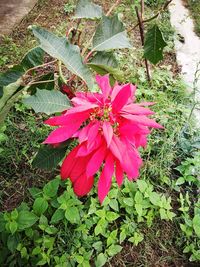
[(110, 128)]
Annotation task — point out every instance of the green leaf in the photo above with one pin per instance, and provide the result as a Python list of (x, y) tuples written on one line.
[(114, 204), (33, 58), (139, 209), (114, 249), (48, 102), (60, 48), (87, 9), (142, 185), (72, 215), (12, 242), (155, 198), (101, 260), (137, 238), (105, 62), (180, 181), (40, 205), (154, 45), (57, 216), (35, 192), (196, 224), (122, 236), (110, 34), (8, 98), (111, 216), (26, 219), (51, 188), (13, 227), (128, 201), (138, 197), (48, 157)]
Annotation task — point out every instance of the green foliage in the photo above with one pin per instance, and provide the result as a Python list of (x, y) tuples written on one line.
[(58, 227), (105, 62), (48, 102), (48, 157), (87, 9), (32, 59), (110, 34), (69, 8), (11, 81), (154, 45), (61, 49), (195, 10), (155, 2), (190, 225)]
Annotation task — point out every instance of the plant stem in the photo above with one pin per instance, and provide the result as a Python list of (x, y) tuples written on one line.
[(61, 73), (40, 66), (153, 17), (38, 82), (141, 26)]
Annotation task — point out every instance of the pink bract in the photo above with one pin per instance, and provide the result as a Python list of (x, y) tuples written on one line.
[(110, 128)]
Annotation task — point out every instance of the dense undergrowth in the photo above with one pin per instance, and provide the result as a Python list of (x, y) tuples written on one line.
[(159, 214), (194, 7)]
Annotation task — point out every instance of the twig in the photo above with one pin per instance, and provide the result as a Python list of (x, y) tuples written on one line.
[(113, 7), (141, 26), (38, 82), (40, 66), (142, 8), (152, 18)]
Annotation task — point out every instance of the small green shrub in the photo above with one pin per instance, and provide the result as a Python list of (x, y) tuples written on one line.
[(58, 230)]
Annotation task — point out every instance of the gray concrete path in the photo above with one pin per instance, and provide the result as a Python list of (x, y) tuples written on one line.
[(12, 12)]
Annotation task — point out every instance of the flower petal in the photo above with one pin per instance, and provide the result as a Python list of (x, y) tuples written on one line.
[(131, 161), (96, 160), (82, 108), (117, 148), (69, 163), (61, 134), (105, 179), (136, 110), (119, 173), (108, 132), (142, 120), (83, 185), (104, 84), (92, 133), (68, 119), (121, 98)]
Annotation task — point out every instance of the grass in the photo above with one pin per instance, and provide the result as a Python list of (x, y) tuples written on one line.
[(194, 6), (25, 132)]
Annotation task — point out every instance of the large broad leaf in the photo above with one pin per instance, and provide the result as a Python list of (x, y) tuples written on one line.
[(48, 102), (153, 45), (60, 48), (87, 9), (110, 34), (48, 157), (105, 62), (10, 95), (32, 59)]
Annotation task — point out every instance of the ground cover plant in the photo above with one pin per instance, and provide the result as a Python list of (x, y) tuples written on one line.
[(56, 228)]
